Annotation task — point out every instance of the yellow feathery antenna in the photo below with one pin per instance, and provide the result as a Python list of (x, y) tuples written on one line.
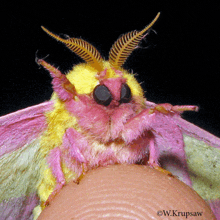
[(82, 48), (124, 46)]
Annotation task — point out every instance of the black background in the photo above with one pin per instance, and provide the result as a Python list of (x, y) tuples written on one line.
[(179, 65)]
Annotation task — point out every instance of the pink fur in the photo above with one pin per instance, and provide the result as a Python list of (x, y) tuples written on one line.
[(107, 124), (154, 153), (54, 160), (189, 128), (91, 117), (119, 118), (72, 142), (20, 128), (58, 88), (137, 127), (79, 149)]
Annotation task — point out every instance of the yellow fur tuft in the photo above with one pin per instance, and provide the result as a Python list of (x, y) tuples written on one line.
[(83, 77), (47, 185), (58, 121)]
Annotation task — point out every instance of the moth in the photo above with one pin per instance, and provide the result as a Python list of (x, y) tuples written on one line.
[(97, 116)]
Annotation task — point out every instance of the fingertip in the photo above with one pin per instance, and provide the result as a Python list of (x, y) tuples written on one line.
[(125, 192)]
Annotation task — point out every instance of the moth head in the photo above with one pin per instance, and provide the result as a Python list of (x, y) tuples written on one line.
[(103, 96), (107, 81)]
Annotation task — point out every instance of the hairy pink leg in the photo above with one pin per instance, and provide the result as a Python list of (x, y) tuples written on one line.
[(182, 108), (75, 144), (73, 141), (154, 157), (150, 104), (136, 126), (179, 168), (154, 154), (168, 108), (55, 165)]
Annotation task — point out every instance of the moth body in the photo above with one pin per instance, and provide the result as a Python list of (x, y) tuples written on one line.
[(83, 134)]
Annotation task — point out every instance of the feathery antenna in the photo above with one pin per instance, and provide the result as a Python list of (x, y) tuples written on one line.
[(126, 44), (82, 48)]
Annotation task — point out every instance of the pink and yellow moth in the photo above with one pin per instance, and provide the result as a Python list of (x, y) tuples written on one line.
[(97, 116)]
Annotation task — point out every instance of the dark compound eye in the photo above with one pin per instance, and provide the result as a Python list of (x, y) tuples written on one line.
[(125, 94), (102, 95)]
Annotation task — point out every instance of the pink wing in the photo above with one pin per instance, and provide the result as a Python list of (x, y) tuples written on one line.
[(20, 134), (198, 133), (19, 128), (191, 129)]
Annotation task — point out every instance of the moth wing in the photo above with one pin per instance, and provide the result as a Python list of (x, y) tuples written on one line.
[(202, 154), (198, 133), (202, 149), (20, 128), (20, 134)]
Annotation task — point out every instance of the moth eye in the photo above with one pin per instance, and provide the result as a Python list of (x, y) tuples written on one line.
[(125, 94), (102, 95)]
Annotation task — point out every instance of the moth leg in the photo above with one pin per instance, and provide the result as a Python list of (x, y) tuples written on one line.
[(178, 166), (154, 157), (154, 154), (168, 108), (54, 160), (75, 144), (81, 175), (137, 125)]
